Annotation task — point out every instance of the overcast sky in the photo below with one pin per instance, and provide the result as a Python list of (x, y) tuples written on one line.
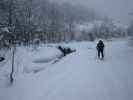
[(116, 9)]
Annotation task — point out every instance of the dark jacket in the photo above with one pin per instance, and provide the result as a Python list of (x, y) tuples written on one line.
[(100, 45)]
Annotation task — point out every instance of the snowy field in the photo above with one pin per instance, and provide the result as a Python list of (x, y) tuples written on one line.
[(78, 76)]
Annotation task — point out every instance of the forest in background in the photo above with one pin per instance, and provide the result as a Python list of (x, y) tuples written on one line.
[(41, 21)]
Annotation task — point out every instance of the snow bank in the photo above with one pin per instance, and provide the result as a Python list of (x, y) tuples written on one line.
[(37, 60), (46, 55)]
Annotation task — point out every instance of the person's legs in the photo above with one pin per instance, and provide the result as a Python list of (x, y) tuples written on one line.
[(98, 53), (102, 54)]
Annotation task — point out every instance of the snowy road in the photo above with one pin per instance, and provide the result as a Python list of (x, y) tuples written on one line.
[(79, 76)]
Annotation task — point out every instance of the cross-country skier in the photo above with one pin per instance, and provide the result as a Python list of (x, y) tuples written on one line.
[(100, 49)]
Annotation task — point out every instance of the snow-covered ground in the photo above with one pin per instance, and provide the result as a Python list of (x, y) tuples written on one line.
[(78, 76)]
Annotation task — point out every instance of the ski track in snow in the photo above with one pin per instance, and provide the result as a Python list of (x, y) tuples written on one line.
[(78, 76)]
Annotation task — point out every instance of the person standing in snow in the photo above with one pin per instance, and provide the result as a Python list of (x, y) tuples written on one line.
[(100, 49)]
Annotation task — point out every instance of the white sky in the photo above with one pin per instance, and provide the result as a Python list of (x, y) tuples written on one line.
[(116, 9)]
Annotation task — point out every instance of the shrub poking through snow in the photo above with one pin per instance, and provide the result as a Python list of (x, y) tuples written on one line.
[(66, 51)]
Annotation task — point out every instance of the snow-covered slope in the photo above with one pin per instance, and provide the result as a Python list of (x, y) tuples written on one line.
[(78, 76)]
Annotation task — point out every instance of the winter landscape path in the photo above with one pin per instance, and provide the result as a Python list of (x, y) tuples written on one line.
[(79, 76)]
